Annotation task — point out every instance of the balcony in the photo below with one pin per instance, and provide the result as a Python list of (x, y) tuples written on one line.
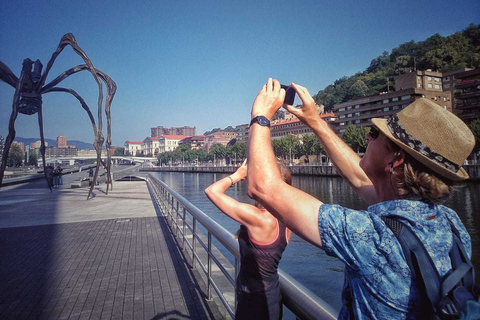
[(468, 83)]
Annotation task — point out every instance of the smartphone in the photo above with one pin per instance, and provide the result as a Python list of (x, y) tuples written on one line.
[(289, 94)]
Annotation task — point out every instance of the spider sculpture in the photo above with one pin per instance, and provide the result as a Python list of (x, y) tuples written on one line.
[(27, 99)]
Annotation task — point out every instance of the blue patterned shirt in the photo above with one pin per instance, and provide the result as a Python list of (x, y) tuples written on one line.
[(380, 280)]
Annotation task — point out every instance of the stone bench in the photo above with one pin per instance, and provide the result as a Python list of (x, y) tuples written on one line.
[(80, 183)]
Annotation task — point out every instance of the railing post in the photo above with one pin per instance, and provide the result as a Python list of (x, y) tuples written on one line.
[(184, 228), (176, 219), (209, 266), (194, 242)]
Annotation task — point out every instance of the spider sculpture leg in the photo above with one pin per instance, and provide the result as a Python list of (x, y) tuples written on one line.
[(42, 148), (8, 141)]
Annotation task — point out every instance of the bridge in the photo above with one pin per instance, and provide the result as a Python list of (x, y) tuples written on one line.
[(130, 159)]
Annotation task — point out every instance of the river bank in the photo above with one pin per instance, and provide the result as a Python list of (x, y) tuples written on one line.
[(306, 170)]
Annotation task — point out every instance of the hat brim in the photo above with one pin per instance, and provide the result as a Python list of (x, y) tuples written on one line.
[(461, 174)]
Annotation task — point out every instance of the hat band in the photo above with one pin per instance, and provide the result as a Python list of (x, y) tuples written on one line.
[(397, 129)]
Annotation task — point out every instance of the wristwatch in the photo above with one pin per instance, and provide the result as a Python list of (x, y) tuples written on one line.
[(261, 120)]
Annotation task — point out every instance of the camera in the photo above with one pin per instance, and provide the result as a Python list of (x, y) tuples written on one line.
[(289, 94)]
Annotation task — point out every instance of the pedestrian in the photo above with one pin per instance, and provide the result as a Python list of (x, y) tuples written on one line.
[(411, 165), (49, 176), (55, 177), (59, 177), (262, 239)]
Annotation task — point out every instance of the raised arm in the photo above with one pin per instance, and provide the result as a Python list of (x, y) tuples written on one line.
[(296, 208), (345, 160), (238, 211)]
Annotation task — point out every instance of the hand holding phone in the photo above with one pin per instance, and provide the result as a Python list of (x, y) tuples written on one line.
[(289, 94)]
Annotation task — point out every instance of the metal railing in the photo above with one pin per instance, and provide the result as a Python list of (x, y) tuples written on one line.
[(183, 219)]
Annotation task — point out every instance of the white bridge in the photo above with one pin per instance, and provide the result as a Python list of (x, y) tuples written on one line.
[(115, 159)]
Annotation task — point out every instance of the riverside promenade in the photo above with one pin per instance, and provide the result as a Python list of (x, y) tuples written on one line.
[(110, 257)]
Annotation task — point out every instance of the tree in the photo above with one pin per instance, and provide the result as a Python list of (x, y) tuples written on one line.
[(33, 159), (119, 152), (15, 156), (217, 151), (355, 137), (358, 89)]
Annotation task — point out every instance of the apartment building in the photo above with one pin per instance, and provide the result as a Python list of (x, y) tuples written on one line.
[(151, 146), (242, 132), (133, 147), (169, 142), (222, 137), (466, 94), (179, 131), (196, 142), (408, 88), (295, 127), (61, 142)]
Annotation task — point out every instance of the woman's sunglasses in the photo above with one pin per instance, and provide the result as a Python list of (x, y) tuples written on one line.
[(374, 133)]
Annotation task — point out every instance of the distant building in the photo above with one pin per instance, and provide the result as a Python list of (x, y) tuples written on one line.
[(408, 88), (151, 146), (61, 142), (295, 127), (175, 131), (242, 131), (20, 144), (196, 142), (222, 137), (37, 144), (466, 85), (169, 142), (133, 147), (61, 152)]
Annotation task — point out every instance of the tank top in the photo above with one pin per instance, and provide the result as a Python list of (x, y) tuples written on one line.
[(259, 261)]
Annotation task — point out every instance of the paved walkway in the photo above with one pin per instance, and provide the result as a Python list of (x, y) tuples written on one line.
[(110, 257)]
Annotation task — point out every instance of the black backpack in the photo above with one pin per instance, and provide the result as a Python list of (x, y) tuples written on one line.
[(451, 296)]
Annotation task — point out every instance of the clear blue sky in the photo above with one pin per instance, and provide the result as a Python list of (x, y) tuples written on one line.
[(201, 63)]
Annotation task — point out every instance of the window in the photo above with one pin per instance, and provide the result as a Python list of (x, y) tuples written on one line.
[(357, 106), (446, 79), (386, 109), (436, 79), (429, 86), (341, 109), (395, 108), (385, 101), (357, 114), (429, 78), (357, 121), (437, 86), (394, 99), (406, 97)]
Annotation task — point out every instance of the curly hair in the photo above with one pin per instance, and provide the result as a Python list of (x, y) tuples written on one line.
[(415, 181)]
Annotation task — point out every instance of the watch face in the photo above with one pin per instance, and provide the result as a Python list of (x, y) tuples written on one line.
[(261, 120)]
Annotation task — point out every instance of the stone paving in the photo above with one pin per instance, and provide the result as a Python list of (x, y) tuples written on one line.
[(110, 257)]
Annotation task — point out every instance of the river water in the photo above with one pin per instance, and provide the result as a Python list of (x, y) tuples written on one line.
[(309, 265)]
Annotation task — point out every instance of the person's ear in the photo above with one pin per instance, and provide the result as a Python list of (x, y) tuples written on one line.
[(398, 159)]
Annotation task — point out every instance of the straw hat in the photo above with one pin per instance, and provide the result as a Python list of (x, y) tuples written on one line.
[(432, 135)]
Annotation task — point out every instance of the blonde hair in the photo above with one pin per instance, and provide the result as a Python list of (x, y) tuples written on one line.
[(415, 181)]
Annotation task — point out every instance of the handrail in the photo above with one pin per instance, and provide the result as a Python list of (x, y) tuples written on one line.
[(301, 301)]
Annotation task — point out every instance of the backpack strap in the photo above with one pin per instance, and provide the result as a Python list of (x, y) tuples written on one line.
[(418, 259), (440, 293)]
